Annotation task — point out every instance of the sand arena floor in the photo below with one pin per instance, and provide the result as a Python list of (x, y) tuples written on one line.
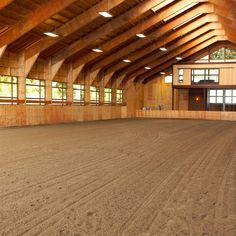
[(119, 178)]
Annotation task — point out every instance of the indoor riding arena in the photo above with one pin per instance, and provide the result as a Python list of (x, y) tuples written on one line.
[(117, 118)]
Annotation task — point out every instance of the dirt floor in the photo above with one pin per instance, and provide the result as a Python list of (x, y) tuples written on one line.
[(119, 178)]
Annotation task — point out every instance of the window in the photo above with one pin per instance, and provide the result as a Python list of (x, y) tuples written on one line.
[(216, 96), (223, 54), (59, 90), (8, 89), (35, 91), (181, 75), (119, 96), (200, 76), (222, 99), (107, 95), (78, 93), (230, 96), (94, 95), (168, 79)]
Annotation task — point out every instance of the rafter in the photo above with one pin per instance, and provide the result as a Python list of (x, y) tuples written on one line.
[(4, 3), (107, 28), (179, 50), (185, 55), (30, 21), (130, 48), (153, 20), (191, 49), (71, 26), (156, 45)]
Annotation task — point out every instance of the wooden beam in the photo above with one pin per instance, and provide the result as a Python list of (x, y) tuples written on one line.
[(4, 3), (42, 13), (175, 52), (138, 44), (139, 54), (2, 50), (108, 28), (71, 26), (189, 52), (106, 47)]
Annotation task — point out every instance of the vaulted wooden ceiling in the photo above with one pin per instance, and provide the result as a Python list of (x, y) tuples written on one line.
[(184, 27)]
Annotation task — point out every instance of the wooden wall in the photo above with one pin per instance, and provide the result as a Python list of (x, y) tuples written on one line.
[(227, 72), (21, 115), (157, 92), (201, 115)]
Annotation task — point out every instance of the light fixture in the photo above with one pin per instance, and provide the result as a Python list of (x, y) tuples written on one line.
[(179, 58), (181, 10), (186, 21), (105, 14), (147, 68), (163, 49), (126, 60), (141, 35), (97, 50), (162, 73), (161, 5), (50, 34)]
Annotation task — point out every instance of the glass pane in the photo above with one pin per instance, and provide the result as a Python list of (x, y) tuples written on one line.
[(32, 91), (213, 71), (15, 91), (228, 92), (234, 92), (212, 92), (219, 100), (57, 93), (220, 54), (42, 92), (5, 78), (198, 71), (5, 90), (228, 100), (220, 92), (230, 53), (198, 78), (212, 99), (234, 100), (181, 71)]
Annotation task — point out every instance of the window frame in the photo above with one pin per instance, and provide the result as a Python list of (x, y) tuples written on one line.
[(121, 93), (63, 100), (82, 91), (40, 100), (96, 90), (108, 91), (10, 100), (206, 75)]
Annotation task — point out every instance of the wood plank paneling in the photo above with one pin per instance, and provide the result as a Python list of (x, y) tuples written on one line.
[(201, 115), (13, 115)]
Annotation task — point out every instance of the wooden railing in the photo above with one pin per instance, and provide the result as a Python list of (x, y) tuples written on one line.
[(201, 115)]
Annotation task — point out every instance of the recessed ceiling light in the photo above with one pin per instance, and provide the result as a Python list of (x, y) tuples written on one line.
[(147, 68), (179, 58), (163, 49), (141, 35), (162, 73), (50, 34), (126, 60), (97, 50), (105, 14)]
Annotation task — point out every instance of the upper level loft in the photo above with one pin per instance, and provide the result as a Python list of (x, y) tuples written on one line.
[(215, 68)]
